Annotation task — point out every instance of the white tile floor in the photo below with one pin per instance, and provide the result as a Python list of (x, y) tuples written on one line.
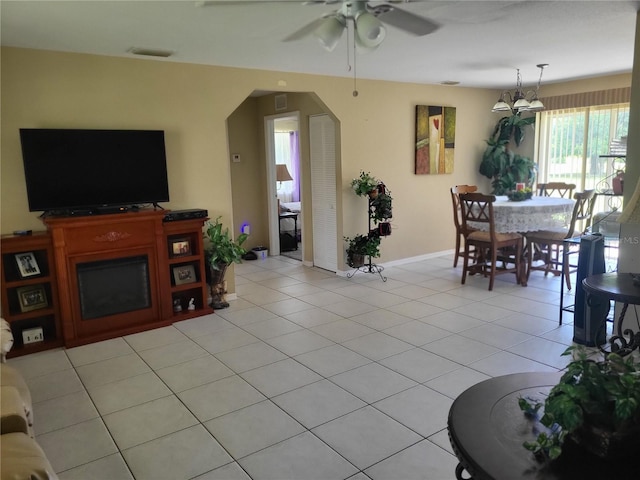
[(306, 376)]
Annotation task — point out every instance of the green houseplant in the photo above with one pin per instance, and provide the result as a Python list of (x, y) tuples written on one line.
[(382, 207), (596, 404), (504, 167), (362, 246), (220, 252), (364, 183)]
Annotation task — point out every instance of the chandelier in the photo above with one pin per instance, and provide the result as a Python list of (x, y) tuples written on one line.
[(520, 101)]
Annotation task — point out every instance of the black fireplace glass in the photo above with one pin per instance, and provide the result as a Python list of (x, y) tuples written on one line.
[(110, 287)]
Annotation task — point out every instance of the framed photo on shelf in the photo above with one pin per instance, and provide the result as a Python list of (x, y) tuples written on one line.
[(32, 298), (27, 264), (180, 247), (184, 274)]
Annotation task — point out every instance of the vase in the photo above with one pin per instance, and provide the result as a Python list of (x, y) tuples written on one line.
[(218, 287), (607, 444), (357, 260)]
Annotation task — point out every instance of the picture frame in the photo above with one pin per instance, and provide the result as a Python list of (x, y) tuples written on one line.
[(184, 274), (33, 297), (180, 247), (27, 264)]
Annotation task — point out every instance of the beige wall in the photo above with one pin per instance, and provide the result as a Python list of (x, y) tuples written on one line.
[(192, 104)]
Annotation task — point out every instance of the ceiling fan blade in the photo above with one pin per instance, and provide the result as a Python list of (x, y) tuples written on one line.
[(407, 21), (306, 30)]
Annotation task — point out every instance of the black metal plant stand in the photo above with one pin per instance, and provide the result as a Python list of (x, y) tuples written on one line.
[(370, 267)]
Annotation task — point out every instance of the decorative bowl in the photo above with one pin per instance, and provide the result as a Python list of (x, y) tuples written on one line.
[(520, 195)]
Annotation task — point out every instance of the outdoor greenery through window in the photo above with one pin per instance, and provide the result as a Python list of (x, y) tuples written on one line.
[(575, 145)]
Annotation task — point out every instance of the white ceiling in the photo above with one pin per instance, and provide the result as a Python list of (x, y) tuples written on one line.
[(479, 43)]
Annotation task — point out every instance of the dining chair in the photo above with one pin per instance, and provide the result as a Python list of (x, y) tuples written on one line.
[(461, 233), (556, 189), (548, 245), (489, 244)]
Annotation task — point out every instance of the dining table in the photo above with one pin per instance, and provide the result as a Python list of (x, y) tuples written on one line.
[(536, 213), (530, 215)]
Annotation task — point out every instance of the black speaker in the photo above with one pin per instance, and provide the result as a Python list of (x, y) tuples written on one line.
[(590, 312)]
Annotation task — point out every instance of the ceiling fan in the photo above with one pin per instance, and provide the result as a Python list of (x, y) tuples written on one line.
[(367, 18), (368, 21)]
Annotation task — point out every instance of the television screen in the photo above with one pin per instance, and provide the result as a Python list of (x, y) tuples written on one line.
[(68, 169)]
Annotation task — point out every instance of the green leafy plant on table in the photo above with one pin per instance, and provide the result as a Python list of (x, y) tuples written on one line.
[(596, 404)]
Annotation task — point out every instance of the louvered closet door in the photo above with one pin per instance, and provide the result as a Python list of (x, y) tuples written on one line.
[(323, 191)]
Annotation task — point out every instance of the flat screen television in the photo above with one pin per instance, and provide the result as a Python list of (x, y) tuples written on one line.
[(72, 170)]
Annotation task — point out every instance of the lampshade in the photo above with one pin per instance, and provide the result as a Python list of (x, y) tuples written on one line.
[(535, 105), (521, 103), (631, 211), (282, 173), (370, 31), (329, 32), (501, 106)]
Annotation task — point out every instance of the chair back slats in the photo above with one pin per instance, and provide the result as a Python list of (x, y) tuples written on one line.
[(457, 217), (455, 198), (478, 208), (582, 211), (556, 189)]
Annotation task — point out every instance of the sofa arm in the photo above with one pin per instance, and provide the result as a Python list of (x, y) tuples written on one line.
[(10, 377), (22, 458), (13, 414)]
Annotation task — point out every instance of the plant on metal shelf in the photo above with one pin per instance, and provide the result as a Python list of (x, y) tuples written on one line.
[(364, 184), (362, 246)]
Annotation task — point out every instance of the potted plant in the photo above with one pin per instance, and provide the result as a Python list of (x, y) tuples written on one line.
[(364, 184), (596, 405), (362, 246), (381, 207), (220, 252), (504, 167)]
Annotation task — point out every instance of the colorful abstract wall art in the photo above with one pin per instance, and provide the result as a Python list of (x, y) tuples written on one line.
[(435, 139)]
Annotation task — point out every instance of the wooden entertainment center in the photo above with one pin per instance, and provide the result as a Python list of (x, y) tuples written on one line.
[(164, 261)]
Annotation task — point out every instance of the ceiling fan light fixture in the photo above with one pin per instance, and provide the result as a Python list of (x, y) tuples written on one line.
[(370, 31), (329, 32)]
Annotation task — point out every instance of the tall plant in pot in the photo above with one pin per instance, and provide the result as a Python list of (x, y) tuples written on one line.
[(221, 251), (499, 163)]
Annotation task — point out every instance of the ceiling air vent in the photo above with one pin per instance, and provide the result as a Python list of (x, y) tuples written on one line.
[(150, 52)]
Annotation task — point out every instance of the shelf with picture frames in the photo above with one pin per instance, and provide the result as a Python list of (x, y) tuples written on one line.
[(29, 292)]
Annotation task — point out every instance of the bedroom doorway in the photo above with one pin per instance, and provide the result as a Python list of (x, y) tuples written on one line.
[(285, 179)]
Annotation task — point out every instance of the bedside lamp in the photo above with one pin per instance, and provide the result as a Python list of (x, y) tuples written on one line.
[(282, 174)]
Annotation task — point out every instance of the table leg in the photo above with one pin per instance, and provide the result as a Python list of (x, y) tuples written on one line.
[(619, 343)]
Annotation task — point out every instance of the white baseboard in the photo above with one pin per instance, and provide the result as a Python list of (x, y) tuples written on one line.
[(403, 261)]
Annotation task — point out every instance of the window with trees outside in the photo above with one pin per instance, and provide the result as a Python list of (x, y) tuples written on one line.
[(585, 146)]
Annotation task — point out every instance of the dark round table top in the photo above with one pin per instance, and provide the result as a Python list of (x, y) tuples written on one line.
[(615, 286), (487, 430)]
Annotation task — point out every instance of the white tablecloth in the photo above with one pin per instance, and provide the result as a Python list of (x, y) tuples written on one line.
[(537, 213)]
